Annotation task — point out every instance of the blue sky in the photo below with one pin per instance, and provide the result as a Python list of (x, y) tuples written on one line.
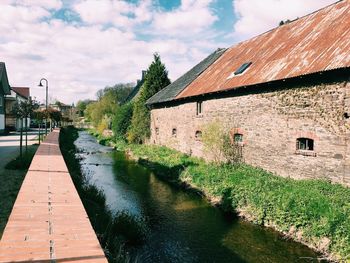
[(81, 46)]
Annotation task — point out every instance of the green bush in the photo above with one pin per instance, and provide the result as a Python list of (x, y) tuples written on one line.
[(122, 120)]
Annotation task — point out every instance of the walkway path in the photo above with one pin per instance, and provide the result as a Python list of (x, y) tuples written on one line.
[(48, 222)]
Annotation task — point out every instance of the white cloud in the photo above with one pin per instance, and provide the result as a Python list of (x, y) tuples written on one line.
[(80, 58), (47, 4), (256, 16), (193, 16)]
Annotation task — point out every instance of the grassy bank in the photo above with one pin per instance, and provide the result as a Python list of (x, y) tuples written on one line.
[(314, 212), (311, 211), (11, 180), (116, 233)]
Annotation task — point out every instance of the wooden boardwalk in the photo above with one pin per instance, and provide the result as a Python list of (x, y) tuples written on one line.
[(48, 222)]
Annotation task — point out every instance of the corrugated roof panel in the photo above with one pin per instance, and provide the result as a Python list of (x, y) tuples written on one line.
[(314, 43), (173, 89)]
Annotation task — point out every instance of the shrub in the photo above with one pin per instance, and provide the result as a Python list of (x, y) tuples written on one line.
[(122, 120)]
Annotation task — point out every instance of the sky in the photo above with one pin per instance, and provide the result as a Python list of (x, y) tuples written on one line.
[(81, 46)]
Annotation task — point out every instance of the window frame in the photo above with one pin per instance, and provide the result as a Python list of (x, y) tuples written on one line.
[(238, 135), (305, 146), (199, 108), (198, 135), (174, 132)]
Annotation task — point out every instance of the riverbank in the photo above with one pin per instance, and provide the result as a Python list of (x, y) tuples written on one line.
[(110, 229), (313, 212), (11, 178)]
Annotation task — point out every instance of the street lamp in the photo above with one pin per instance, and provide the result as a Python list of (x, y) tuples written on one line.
[(47, 87)]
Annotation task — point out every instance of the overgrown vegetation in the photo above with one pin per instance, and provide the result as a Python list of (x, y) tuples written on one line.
[(156, 79), (313, 211), (115, 232), (122, 120), (129, 120), (101, 112)]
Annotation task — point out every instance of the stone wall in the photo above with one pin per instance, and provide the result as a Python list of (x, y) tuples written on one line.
[(271, 123)]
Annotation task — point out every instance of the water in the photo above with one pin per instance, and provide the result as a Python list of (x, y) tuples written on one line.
[(183, 226)]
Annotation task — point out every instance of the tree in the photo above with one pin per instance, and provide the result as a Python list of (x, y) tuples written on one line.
[(156, 78), (122, 120), (39, 116), (24, 110), (101, 113)]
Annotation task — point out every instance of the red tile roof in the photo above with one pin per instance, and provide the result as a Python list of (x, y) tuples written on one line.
[(23, 91), (314, 43)]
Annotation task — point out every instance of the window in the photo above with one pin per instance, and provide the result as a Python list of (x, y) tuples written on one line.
[(242, 68), (157, 131), (238, 137), (305, 144), (199, 108), (173, 132), (1, 101), (198, 135)]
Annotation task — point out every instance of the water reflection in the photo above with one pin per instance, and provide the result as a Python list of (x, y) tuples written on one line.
[(183, 227)]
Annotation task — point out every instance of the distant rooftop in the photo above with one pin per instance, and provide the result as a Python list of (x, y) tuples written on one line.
[(22, 91)]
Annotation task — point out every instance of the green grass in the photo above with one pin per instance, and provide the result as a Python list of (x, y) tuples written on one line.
[(23, 163), (315, 208), (11, 181)]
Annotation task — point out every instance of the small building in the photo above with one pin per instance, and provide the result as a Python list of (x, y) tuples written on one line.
[(66, 110), (4, 90), (135, 92), (18, 94), (284, 97)]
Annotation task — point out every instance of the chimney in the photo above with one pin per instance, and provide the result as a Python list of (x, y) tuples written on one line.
[(143, 74)]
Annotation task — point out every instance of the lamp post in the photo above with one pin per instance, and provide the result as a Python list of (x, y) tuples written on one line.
[(47, 87)]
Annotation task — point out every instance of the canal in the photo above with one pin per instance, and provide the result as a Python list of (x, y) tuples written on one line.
[(182, 226)]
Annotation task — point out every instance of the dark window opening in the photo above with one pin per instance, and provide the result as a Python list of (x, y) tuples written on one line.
[(305, 144), (198, 135), (173, 133), (157, 131), (346, 115), (199, 107), (242, 68), (238, 137)]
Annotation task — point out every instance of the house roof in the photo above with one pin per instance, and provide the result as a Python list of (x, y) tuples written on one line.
[(22, 91), (136, 90), (314, 43), (172, 90), (4, 83)]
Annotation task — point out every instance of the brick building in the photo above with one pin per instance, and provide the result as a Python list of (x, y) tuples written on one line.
[(285, 96)]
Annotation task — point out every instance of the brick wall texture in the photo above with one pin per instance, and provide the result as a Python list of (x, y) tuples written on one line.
[(270, 123)]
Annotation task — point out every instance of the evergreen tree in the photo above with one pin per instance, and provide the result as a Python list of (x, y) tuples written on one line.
[(156, 78)]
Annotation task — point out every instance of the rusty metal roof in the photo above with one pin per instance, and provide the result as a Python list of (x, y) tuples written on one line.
[(314, 43), (172, 90)]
